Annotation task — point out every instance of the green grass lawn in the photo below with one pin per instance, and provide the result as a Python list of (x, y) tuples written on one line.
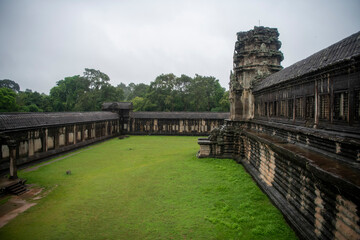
[(147, 187)]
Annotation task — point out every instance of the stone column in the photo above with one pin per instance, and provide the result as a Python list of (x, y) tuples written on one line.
[(317, 105), (294, 109), (75, 134), (13, 166), (45, 140), (83, 129), (106, 128), (56, 138)]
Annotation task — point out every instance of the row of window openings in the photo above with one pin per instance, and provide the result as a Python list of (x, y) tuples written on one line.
[(285, 108)]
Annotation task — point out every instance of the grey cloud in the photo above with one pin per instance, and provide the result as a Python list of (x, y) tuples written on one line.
[(134, 41)]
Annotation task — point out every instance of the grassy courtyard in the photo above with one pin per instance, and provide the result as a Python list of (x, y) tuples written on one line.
[(147, 187)]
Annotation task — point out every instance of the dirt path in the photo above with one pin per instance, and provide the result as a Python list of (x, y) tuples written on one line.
[(18, 204)]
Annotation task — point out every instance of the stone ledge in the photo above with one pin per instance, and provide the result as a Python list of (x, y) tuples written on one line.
[(317, 137), (325, 168)]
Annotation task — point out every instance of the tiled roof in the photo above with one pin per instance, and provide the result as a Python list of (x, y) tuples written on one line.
[(338, 52), (12, 121), (181, 115), (116, 105)]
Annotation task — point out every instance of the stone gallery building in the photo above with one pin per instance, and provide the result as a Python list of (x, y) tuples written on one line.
[(297, 131), (28, 137)]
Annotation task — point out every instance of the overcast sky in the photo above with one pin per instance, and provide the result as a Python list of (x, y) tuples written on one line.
[(42, 42)]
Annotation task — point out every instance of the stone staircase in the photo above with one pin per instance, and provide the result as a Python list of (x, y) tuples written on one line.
[(17, 187)]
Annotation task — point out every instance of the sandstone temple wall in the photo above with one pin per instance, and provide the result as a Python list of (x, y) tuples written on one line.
[(319, 193), (302, 144), (300, 186), (312, 178)]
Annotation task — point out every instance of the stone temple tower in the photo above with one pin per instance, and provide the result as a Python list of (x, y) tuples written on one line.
[(256, 56)]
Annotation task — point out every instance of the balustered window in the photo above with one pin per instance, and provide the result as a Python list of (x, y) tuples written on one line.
[(324, 106), (282, 108), (275, 109), (310, 107), (299, 112), (290, 108), (341, 106), (357, 105), (266, 109)]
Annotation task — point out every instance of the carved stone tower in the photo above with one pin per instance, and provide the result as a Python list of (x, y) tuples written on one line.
[(256, 56)]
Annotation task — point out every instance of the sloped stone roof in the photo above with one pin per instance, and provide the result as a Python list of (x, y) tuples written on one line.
[(13, 121), (181, 115), (345, 49)]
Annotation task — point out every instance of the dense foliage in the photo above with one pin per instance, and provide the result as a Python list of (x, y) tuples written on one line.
[(87, 92)]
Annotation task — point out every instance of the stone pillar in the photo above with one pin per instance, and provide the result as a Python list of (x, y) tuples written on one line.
[(83, 129), (13, 165), (317, 105), (31, 143), (106, 128), (75, 134), (56, 138), (294, 109), (45, 140)]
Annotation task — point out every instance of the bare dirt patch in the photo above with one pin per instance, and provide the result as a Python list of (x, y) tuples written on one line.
[(18, 204)]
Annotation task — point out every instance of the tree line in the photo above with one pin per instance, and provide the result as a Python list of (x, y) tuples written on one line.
[(88, 91)]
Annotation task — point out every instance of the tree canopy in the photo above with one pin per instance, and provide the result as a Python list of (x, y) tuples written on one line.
[(7, 83), (171, 93), (87, 93), (8, 100)]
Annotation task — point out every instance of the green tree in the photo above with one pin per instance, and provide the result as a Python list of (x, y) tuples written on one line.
[(7, 83), (125, 90), (68, 91), (110, 93), (138, 103), (87, 93), (84, 93), (160, 92), (31, 108), (96, 78), (46, 103), (225, 102), (30, 101), (8, 100), (205, 93), (137, 90), (181, 93), (171, 93), (91, 101), (120, 94), (142, 104)]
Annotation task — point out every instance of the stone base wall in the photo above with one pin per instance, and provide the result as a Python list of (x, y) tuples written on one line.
[(318, 194), (41, 142), (317, 203)]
